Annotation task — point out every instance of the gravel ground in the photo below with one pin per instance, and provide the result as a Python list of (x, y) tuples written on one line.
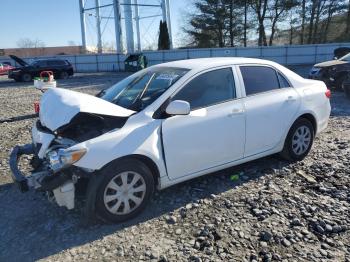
[(274, 211)]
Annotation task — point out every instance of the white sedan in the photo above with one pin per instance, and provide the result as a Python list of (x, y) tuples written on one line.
[(167, 124)]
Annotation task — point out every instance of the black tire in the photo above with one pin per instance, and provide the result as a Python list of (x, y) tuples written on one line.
[(289, 149), (113, 172), (339, 83), (26, 77), (347, 91), (64, 75)]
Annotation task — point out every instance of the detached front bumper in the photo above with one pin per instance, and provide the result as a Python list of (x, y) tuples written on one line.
[(61, 183), (44, 179), (17, 176)]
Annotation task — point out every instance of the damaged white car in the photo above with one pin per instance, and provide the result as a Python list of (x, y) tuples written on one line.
[(167, 124)]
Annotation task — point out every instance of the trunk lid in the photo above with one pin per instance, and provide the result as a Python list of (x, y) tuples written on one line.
[(19, 60), (59, 106)]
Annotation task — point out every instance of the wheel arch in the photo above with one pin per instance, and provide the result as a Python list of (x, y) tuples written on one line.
[(144, 159), (306, 115), (310, 117)]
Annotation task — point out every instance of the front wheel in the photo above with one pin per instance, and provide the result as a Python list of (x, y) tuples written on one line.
[(125, 188), (299, 140), (26, 77)]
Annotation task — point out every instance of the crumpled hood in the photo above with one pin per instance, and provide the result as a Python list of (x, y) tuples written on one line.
[(330, 63), (58, 106)]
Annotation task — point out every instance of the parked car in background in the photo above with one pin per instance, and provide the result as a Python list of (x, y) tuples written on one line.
[(346, 86), (6, 63), (340, 52), (333, 73), (166, 124), (61, 69), (4, 68)]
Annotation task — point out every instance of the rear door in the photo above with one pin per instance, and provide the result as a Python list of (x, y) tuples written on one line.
[(270, 103), (55, 66), (213, 133)]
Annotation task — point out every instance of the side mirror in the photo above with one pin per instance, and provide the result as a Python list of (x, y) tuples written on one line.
[(178, 107)]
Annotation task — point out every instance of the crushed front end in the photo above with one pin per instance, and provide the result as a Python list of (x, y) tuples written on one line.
[(52, 161), (66, 118)]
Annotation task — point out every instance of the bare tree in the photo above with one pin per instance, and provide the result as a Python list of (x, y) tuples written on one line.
[(245, 27), (260, 8), (71, 43), (29, 43), (303, 16), (347, 30)]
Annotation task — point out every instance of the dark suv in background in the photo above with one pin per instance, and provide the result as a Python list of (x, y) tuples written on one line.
[(61, 69), (333, 72)]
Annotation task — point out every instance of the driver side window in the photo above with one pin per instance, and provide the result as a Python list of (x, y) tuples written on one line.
[(209, 88)]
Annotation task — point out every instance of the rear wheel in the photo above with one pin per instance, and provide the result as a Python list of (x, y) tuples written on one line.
[(299, 140), (339, 83), (124, 190), (346, 87), (26, 77), (347, 91), (64, 75)]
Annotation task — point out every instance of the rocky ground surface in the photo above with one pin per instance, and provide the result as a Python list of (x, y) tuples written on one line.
[(267, 210)]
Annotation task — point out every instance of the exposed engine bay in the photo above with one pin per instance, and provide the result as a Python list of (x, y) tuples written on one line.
[(85, 126)]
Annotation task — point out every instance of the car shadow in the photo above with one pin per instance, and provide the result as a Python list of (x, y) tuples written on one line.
[(33, 228)]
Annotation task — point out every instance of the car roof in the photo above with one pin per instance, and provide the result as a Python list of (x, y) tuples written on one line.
[(202, 63)]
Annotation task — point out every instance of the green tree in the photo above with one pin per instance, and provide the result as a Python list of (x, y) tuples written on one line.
[(163, 39), (216, 23)]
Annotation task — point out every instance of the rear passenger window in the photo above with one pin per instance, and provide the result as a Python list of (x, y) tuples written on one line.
[(259, 79), (55, 62), (209, 88), (283, 81)]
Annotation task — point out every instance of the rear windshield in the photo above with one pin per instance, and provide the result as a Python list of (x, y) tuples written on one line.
[(142, 88)]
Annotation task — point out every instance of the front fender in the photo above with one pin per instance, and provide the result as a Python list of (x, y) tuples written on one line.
[(130, 140)]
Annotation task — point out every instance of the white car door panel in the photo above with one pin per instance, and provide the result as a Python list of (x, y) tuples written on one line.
[(213, 133), (268, 115), (270, 107), (206, 138)]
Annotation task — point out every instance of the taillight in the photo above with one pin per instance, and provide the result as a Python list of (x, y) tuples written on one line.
[(36, 107), (328, 93)]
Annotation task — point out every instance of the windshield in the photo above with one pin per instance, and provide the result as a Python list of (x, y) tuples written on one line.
[(142, 88), (345, 58)]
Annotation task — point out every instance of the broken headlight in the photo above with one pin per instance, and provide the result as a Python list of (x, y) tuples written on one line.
[(61, 158)]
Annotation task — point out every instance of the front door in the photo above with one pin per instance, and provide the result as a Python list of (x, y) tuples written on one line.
[(213, 133)]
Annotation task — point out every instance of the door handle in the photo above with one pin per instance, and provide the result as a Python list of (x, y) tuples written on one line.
[(291, 99), (235, 111)]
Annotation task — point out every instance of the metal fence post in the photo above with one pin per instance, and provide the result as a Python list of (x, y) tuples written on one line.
[(316, 49), (75, 62), (97, 65)]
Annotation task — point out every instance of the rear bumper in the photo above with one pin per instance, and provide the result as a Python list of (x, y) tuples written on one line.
[(17, 176)]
